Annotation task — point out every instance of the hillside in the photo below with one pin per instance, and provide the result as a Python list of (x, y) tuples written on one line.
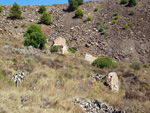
[(121, 45), (66, 83)]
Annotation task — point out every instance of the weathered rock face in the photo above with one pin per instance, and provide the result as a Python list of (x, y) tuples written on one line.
[(113, 81), (89, 58), (95, 106), (60, 42)]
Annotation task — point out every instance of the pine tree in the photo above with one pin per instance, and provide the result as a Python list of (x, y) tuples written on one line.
[(15, 11), (80, 2), (46, 18), (132, 3), (73, 5)]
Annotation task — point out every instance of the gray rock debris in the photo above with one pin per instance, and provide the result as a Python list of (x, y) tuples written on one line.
[(95, 106)]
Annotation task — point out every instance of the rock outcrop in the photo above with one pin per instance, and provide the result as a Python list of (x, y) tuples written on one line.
[(89, 58), (95, 106), (113, 81)]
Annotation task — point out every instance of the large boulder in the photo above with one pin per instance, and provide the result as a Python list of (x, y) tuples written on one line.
[(60, 42), (113, 81), (89, 58)]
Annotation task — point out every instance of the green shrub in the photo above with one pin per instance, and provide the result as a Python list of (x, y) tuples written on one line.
[(79, 13), (116, 14), (101, 30), (114, 21), (54, 49), (132, 12), (15, 11), (103, 33), (73, 5), (80, 2), (96, 9), (132, 3), (135, 66), (46, 18), (98, 23), (1, 9), (16, 26), (125, 27), (32, 28), (141, 19), (130, 24), (23, 25), (89, 18), (36, 39), (72, 50), (124, 1), (42, 9), (117, 17), (103, 62)]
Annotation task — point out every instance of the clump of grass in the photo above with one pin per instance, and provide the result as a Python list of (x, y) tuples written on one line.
[(116, 14), (133, 12), (130, 24), (124, 2), (117, 17), (114, 21), (96, 9), (136, 66), (98, 23), (101, 30), (103, 33), (89, 18), (125, 27), (16, 26), (141, 19), (72, 50), (23, 25)]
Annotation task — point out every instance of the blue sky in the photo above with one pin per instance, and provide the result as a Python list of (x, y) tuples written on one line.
[(34, 2)]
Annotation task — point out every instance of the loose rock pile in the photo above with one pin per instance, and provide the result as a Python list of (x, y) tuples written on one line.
[(95, 106), (18, 78)]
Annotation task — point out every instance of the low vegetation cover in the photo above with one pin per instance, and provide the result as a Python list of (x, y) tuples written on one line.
[(42, 9), (125, 27), (15, 12), (79, 13), (54, 49), (46, 18), (103, 62), (96, 9), (34, 37), (101, 30), (132, 3), (136, 66)]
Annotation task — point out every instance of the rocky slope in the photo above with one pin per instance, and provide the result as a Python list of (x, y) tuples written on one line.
[(125, 45)]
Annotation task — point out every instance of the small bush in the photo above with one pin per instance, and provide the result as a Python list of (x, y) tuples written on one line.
[(89, 18), (73, 5), (1, 9), (15, 11), (101, 30), (124, 1), (116, 14), (103, 33), (125, 27), (96, 9), (130, 24), (16, 26), (141, 19), (98, 23), (103, 62), (117, 17), (23, 25), (72, 50), (114, 22), (135, 66), (132, 3), (80, 2), (79, 13), (145, 66), (46, 18), (54, 49), (42, 9), (132, 13)]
